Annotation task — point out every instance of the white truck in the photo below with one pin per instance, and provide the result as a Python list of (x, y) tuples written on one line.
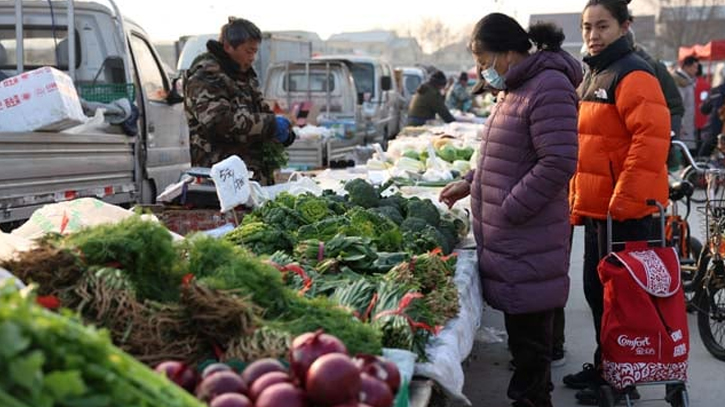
[(112, 58), (355, 95), (274, 48)]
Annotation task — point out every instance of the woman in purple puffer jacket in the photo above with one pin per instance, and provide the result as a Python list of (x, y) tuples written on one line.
[(519, 190)]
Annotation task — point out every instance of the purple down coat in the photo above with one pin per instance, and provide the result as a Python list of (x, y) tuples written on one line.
[(519, 190)]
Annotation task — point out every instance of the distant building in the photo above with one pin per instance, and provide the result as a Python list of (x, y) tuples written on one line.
[(387, 44)]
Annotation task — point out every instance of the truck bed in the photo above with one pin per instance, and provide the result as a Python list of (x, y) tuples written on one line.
[(41, 168)]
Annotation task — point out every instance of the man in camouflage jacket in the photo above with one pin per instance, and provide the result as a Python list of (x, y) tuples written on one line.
[(224, 107)]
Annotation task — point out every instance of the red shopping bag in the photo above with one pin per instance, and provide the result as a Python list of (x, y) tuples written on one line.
[(644, 334)]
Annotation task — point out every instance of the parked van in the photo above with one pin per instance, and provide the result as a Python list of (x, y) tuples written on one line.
[(377, 92)]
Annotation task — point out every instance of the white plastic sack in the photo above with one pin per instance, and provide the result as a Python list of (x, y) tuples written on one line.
[(6, 275), (11, 245), (72, 216), (297, 184), (454, 343)]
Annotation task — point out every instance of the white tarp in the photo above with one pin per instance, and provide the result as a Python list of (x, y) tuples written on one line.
[(452, 346)]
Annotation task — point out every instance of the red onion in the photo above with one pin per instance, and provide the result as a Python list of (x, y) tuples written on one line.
[(214, 368), (282, 395), (231, 400), (179, 373), (375, 392), (259, 367), (379, 368), (307, 347), (333, 379), (267, 380), (220, 383)]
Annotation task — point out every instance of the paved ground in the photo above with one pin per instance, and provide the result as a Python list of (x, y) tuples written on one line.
[(487, 372)]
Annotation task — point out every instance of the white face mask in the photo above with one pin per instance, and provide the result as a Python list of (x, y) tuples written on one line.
[(492, 77)]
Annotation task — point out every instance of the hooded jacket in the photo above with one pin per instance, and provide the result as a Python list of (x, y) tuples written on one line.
[(624, 138), (428, 101), (519, 191), (225, 111)]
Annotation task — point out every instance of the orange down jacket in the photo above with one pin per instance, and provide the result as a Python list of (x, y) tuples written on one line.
[(624, 138)]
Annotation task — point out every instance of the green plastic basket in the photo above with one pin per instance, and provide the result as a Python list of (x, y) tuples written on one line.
[(107, 93)]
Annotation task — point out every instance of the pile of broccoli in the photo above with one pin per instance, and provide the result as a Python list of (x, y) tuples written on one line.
[(393, 223)]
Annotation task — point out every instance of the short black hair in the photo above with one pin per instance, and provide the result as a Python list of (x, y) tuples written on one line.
[(238, 31), (690, 60)]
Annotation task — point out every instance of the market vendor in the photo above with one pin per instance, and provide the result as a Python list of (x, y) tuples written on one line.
[(429, 101), (458, 96), (224, 106)]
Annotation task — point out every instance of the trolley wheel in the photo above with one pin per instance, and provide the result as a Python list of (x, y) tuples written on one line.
[(711, 318), (606, 396), (677, 395)]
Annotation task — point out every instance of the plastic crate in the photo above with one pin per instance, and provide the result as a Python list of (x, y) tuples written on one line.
[(106, 93)]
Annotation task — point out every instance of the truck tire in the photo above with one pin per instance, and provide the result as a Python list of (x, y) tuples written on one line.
[(148, 192)]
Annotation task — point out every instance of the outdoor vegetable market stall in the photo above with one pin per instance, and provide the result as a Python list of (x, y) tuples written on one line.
[(380, 269)]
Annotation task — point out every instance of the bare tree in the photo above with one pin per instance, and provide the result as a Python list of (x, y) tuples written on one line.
[(433, 34), (686, 22)]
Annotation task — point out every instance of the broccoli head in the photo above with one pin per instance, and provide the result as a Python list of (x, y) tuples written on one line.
[(397, 201), (361, 193), (424, 209), (389, 212)]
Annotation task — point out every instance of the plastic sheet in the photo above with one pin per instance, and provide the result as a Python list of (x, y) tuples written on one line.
[(454, 343)]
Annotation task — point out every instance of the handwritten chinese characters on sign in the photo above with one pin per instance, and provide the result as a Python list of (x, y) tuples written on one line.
[(232, 182)]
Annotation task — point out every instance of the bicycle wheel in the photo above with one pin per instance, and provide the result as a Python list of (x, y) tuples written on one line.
[(711, 318), (692, 274)]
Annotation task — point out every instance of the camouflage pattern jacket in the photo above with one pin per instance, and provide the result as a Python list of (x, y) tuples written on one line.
[(226, 112)]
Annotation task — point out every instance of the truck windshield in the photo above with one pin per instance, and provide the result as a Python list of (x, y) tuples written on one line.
[(364, 75), (298, 83), (41, 46)]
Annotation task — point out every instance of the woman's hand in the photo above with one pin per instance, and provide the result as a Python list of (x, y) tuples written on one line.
[(454, 192)]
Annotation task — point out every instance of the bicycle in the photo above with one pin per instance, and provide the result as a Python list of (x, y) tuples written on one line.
[(677, 232), (693, 173), (709, 280)]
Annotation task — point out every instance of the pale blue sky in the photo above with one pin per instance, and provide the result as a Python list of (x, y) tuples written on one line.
[(169, 19)]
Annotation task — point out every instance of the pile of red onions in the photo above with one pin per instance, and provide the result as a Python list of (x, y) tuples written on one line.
[(321, 374)]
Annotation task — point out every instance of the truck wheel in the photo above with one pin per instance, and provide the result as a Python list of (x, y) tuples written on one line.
[(148, 192)]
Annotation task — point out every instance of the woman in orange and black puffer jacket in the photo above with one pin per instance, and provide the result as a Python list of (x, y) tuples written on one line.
[(624, 137)]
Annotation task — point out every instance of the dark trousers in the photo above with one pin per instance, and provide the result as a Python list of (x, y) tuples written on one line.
[(529, 340), (559, 318), (595, 248)]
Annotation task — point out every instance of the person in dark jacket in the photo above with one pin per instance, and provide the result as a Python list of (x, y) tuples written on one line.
[(225, 109), (711, 107), (519, 189), (428, 101), (624, 138)]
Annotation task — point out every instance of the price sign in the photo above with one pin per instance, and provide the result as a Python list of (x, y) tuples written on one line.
[(232, 182)]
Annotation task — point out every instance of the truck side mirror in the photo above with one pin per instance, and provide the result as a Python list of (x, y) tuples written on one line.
[(386, 83), (174, 96)]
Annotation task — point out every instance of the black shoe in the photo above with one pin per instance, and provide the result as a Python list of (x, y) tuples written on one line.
[(583, 379), (590, 395)]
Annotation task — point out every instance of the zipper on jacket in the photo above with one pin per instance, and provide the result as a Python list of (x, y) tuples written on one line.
[(611, 173)]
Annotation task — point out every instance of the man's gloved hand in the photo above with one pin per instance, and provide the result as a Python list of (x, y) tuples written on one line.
[(283, 129)]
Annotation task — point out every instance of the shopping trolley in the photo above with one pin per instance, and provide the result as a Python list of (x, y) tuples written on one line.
[(644, 335)]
